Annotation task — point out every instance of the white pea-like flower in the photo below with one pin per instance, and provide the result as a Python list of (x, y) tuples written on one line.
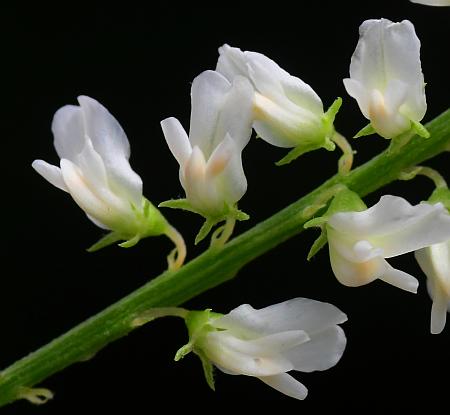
[(435, 263), (288, 112), (432, 2), (94, 169), (299, 334), (211, 171), (359, 242), (386, 78)]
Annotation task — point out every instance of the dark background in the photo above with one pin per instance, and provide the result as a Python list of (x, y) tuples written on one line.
[(139, 62)]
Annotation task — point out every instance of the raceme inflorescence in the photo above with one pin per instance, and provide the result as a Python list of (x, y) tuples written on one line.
[(249, 92)]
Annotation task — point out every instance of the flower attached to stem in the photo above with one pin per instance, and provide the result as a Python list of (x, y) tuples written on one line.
[(360, 239), (299, 334), (386, 79), (210, 162), (287, 111), (95, 171), (434, 260)]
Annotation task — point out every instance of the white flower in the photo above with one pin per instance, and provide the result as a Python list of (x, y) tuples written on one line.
[(288, 113), (299, 334), (435, 263), (359, 241), (94, 169), (210, 162), (432, 2), (386, 77)]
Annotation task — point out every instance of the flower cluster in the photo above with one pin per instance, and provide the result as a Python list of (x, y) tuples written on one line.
[(248, 91)]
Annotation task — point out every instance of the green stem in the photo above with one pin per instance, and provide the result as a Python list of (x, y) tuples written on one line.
[(213, 267)]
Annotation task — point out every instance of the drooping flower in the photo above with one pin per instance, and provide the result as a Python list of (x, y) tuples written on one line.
[(299, 334), (360, 239), (95, 171), (288, 113), (435, 263), (211, 171), (386, 78), (432, 2)]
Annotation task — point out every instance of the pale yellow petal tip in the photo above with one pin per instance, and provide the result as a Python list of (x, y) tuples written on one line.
[(36, 396)]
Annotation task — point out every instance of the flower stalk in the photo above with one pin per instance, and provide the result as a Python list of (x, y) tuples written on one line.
[(215, 266)]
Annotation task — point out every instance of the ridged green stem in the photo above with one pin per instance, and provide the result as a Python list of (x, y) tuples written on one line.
[(213, 267)]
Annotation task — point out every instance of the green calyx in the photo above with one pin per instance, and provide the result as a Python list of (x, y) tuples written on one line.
[(148, 222), (199, 325), (441, 195), (344, 201), (322, 140), (228, 212)]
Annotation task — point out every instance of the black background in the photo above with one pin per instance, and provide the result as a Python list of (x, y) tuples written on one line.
[(139, 61)]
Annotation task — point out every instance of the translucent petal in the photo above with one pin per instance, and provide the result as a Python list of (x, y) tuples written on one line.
[(296, 314), (110, 142), (322, 352), (50, 173), (176, 139), (287, 385), (396, 226), (220, 157), (68, 131), (208, 93)]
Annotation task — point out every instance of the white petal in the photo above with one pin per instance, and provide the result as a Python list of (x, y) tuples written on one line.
[(439, 311), (389, 51), (264, 346), (81, 193), (356, 90), (302, 94), (402, 61), (296, 314), (231, 184), (396, 226), (231, 62), (432, 2), (220, 157), (236, 114), (97, 222), (286, 384), (367, 63), (266, 75), (322, 352), (68, 131), (226, 356), (176, 139), (399, 279), (207, 98), (435, 263), (110, 142), (50, 173)]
